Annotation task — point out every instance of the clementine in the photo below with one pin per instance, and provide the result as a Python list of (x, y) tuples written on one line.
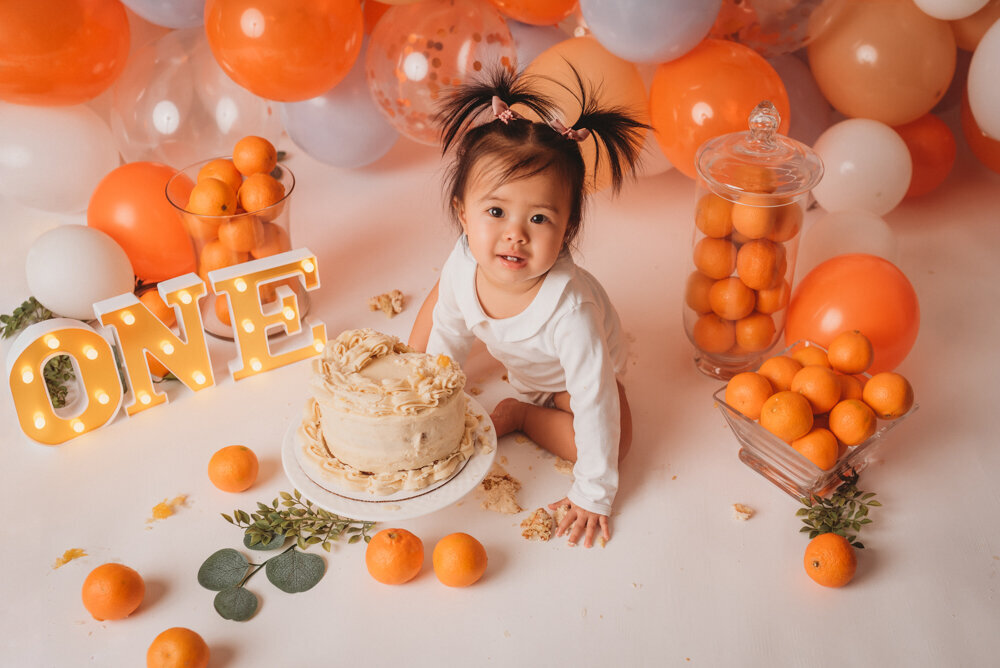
[(212, 197), (889, 394), (819, 385), (273, 240), (241, 234), (394, 556), (233, 468), (731, 299), (787, 415), (696, 292), (810, 355), (178, 647), (755, 332), (112, 591), (852, 421), (773, 299), (850, 352), (829, 560), (819, 446), (747, 392), (787, 223), (254, 155), (780, 370), (224, 170), (758, 263), (716, 258), (260, 191), (713, 334), (154, 302), (751, 219), (713, 216), (459, 560)]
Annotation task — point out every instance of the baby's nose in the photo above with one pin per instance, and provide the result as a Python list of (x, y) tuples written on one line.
[(515, 232)]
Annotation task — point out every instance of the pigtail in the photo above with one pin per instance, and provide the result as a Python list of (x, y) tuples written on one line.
[(467, 101), (615, 127)]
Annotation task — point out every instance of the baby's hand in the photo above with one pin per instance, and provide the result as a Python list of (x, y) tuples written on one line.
[(577, 521)]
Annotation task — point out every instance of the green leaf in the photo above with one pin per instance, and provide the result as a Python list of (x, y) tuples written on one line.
[(228, 518), (222, 570), (860, 546), (265, 543), (293, 571), (242, 515), (874, 503), (236, 604), (353, 539)]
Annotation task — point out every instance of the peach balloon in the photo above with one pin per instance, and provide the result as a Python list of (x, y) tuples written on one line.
[(969, 30), (60, 52), (883, 59), (536, 12), (710, 91), (617, 82)]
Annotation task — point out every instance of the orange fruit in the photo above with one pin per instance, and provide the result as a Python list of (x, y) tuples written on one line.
[(152, 300), (272, 240), (810, 355), (819, 385), (850, 387), (780, 370), (713, 334), (696, 292), (178, 647), (259, 192), (747, 392), (773, 299), (829, 560), (752, 178), (201, 228), (112, 591), (889, 395), (755, 332), (850, 352), (712, 216), (787, 415), (758, 263), (852, 421), (787, 223), (156, 367), (212, 197), (716, 258), (254, 155), (222, 310), (459, 560), (241, 234), (751, 220), (394, 556), (215, 255), (224, 170), (731, 299), (819, 446), (233, 468)]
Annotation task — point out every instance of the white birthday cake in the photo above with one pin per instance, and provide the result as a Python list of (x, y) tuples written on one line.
[(383, 417)]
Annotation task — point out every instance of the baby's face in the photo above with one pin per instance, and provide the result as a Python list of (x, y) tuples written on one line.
[(516, 230)]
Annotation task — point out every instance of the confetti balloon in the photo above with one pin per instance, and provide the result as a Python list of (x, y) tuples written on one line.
[(175, 105), (883, 59), (285, 51), (417, 51), (60, 52), (769, 27)]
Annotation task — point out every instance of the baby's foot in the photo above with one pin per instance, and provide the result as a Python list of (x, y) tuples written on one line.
[(508, 416)]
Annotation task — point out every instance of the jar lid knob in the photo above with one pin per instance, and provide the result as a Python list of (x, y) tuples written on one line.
[(764, 121)]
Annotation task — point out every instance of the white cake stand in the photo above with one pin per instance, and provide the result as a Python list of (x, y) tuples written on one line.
[(402, 505)]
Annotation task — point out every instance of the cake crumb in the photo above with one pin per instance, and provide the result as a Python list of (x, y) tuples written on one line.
[(518, 438), (673, 478), (504, 378), (563, 466), (165, 508), (503, 459), (475, 391), (68, 556), (558, 514), (506, 634), (389, 303), (636, 585), (601, 541), (537, 526), (742, 512), (501, 492)]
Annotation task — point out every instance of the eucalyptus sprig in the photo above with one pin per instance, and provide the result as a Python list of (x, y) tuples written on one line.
[(58, 370), (296, 517), (846, 510), (227, 571)]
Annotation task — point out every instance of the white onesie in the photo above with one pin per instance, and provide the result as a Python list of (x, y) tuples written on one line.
[(568, 339)]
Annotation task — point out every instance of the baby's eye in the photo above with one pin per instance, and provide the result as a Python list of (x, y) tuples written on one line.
[(539, 218), (495, 211)]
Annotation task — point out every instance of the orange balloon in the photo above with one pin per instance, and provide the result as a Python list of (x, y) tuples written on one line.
[(985, 148), (130, 205), (861, 292), (285, 51), (61, 52), (932, 151), (616, 82), (373, 11), (536, 12), (707, 92), (883, 59)]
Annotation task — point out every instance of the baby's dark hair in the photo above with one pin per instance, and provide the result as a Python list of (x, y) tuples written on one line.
[(523, 148)]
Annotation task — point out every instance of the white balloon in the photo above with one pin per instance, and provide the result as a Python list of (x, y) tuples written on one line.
[(52, 158), (984, 82), (72, 266), (950, 10), (867, 167), (845, 232)]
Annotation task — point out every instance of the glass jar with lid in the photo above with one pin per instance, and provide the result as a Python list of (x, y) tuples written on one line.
[(752, 191)]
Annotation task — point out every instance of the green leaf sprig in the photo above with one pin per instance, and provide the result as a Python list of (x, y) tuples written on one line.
[(58, 370), (845, 511), (295, 517), (227, 571)]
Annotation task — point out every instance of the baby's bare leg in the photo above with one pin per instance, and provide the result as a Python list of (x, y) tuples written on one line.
[(552, 428)]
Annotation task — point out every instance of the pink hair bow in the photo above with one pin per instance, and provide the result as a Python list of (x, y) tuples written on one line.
[(569, 133), (503, 112)]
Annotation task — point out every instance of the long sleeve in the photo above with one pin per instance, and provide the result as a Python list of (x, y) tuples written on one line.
[(592, 386)]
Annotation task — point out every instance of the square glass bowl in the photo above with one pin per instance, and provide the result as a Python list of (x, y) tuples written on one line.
[(780, 463)]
